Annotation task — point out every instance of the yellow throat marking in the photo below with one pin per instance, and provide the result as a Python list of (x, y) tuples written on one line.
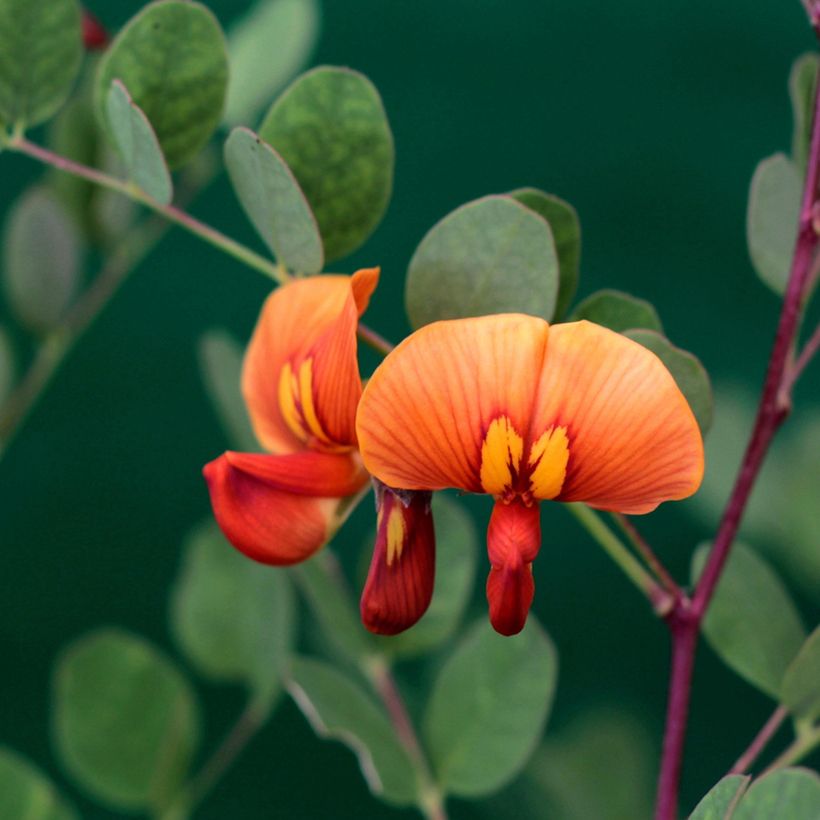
[(503, 450), (296, 402), (396, 533)]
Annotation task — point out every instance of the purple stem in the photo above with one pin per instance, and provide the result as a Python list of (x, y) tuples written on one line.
[(684, 622)]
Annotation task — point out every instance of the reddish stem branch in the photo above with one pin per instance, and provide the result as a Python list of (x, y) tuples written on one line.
[(747, 759), (685, 621)]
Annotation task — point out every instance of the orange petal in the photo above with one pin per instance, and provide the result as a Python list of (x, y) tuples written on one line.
[(426, 412), (633, 441), (300, 377), (513, 541), (400, 582), (264, 519)]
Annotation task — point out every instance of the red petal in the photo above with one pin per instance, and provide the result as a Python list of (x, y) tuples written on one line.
[(513, 541), (94, 35), (265, 520), (400, 582)]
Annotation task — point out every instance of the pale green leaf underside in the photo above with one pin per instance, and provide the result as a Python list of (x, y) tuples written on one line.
[(787, 794), (618, 311), (492, 255), (26, 794), (138, 145), (274, 202), (801, 683)]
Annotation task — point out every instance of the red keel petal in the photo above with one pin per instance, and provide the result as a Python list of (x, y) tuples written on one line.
[(513, 541), (400, 582)]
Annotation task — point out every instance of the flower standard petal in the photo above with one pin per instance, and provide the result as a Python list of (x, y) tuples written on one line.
[(450, 396), (400, 582), (633, 441), (278, 509), (300, 378)]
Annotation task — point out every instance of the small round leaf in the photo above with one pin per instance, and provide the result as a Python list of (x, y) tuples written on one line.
[(801, 683), (41, 47), (172, 59), (274, 202), (8, 365), (126, 723), (25, 793), (488, 708), (493, 255), (721, 799), (687, 371), (331, 129), (785, 794), (802, 81), (618, 311), (566, 231), (41, 256)]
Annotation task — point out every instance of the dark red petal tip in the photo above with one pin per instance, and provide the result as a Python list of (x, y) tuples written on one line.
[(400, 582), (95, 36)]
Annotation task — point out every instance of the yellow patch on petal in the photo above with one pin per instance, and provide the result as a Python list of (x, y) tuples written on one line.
[(548, 463), (500, 456), (396, 534), (296, 403)]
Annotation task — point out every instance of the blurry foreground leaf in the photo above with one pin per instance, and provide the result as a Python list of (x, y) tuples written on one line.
[(722, 798), (331, 129), (172, 59), (456, 554), (41, 47), (137, 144), (25, 794), (220, 365), (41, 260), (566, 231), (339, 708), (752, 623), (801, 683), (687, 371), (8, 366), (618, 311), (126, 723), (233, 618), (273, 201), (771, 222), (802, 80), (493, 255), (267, 47), (581, 770), (488, 708), (786, 794)]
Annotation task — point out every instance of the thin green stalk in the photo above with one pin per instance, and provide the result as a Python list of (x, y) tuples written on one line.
[(660, 599), (805, 743)]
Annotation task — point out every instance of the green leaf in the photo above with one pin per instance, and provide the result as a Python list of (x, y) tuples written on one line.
[(41, 256), (604, 746), (801, 683), (772, 219), (339, 708), (8, 365), (618, 311), (686, 369), (802, 81), (137, 144), (172, 59), (25, 794), (331, 129), (752, 623), (126, 723), (786, 794), (41, 48), (267, 48), (488, 708), (721, 800), (220, 365), (274, 202), (566, 231), (493, 255), (456, 554), (333, 607), (233, 618)]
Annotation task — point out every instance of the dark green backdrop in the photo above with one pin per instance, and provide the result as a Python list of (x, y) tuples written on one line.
[(648, 116)]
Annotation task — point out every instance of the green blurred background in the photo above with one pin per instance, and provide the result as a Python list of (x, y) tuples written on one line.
[(649, 118)]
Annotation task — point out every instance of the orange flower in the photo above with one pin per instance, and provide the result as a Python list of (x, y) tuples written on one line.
[(509, 406), (301, 384)]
